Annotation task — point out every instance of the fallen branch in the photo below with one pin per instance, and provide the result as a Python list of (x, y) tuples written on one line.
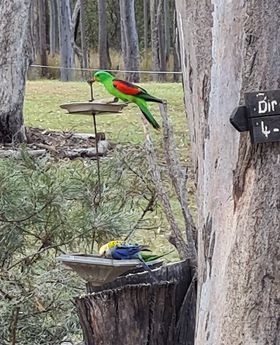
[(178, 176), (14, 325), (17, 154)]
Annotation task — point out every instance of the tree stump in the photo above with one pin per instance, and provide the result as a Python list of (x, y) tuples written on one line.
[(136, 309)]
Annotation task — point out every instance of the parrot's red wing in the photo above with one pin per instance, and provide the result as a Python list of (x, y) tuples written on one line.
[(127, 88)]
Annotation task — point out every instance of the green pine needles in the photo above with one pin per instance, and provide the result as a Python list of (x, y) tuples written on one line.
[(48, 208)]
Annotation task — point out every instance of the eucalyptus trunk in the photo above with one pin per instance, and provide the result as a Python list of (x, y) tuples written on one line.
[(53, 27), (103, 49), (145, 14), (155, 38), (130, 47), (43, 36), (238, 186), (14, 60), (83, 35), (66, 49)]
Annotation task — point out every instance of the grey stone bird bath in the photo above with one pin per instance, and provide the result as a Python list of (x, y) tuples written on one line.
[(98, 270)]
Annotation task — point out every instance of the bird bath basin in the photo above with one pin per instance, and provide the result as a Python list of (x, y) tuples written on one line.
[(96, 269), (94, 107)]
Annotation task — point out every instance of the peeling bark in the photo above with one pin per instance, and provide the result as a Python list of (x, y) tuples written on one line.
[(155, 38), (53, 27), (130, 48), (103, 49), (228, 48), (66, 50), (14, 59)]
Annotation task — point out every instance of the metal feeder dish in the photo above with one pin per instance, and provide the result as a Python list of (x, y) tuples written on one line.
[(94, 107)]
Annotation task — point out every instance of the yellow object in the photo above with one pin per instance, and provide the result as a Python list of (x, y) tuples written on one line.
[(108, 246)]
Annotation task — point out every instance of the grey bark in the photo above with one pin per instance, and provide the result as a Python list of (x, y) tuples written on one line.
[(238, 186), (75, 23), (166, 7), (14, 60), (145, 14), (66, 50), (53, 27), (130, 48), (43, 36), (176, 50), (103, 49), (155, 38), (83, 35), (162, 39)]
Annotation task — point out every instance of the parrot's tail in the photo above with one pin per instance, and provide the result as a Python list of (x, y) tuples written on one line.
[(146, 112), (151, 257), (149, 98), (147, 268)]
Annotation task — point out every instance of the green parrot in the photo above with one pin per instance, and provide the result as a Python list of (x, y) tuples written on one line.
[(128, 92)]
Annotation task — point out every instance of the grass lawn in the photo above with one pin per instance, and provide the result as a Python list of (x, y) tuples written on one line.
[(42, 100)]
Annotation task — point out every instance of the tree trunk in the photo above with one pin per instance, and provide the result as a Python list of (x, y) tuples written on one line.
[(138, 310), (66, 49), (176, 50), (145, 14), (83, 35), (43, 36), (75, 25), (155, 38), (53, 30), (162, 39), (167, 22), (238, 185), (103, 49), (14, 59), (130, 38)]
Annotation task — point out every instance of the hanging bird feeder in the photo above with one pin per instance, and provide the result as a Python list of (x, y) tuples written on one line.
[(93, 108), (98, 270)]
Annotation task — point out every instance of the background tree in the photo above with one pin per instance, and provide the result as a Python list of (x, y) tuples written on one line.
[(146, 22), (66, 49), (226, 52), (53, 27), (129, 36), (176, 48), (155, 38), (103, 49), (83, 35), (14, 59), (42, 10)]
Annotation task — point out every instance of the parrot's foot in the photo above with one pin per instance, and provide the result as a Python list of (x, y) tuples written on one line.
[(115, 100)]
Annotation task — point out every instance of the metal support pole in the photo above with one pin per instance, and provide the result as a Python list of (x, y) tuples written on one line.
[(97, 155)]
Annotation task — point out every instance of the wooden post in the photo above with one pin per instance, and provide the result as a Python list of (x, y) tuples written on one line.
[(135, 310)]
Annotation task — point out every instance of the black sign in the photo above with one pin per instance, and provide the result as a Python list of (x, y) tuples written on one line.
[(260, 115), (265, 129)]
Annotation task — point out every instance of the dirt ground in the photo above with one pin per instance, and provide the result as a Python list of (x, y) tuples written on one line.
[(59, 144)]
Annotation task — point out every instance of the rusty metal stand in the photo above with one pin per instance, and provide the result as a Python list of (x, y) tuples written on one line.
[(97, 154), (96, 138)]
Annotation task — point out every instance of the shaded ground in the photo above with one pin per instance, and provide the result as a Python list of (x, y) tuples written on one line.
[(59, 144)]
